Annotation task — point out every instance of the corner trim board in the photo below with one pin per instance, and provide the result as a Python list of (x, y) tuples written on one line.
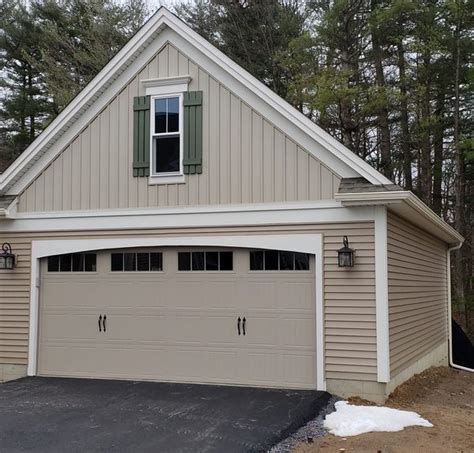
[(305, 243), (381, 295)]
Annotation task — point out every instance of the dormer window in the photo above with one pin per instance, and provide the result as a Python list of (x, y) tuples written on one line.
[(166, 136)]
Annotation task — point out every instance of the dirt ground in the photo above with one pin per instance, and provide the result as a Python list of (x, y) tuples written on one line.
[(443, 396)]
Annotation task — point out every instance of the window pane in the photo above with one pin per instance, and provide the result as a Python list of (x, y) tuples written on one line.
[(286, 261), (271, 260), (212, 261), (65, 263), (129, 261), (173, 114), (53, 263), (198, 261), (184, 261), (160, 115), (90, 262), (301, 261), (156, 262), (256, 260), (77, 262), (166, 154), (226, 261), (117, 261), (143, 261)]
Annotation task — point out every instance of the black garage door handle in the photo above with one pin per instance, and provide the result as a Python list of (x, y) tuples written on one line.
[(243, 325), (238, 325), (103, 323), (100, 325)]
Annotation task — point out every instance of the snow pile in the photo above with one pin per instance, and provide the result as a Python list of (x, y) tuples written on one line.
[(350, 420)]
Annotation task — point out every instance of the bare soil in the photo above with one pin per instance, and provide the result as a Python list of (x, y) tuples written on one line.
[(443, 396)]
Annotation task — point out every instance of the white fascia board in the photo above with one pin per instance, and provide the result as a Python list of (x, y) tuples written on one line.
[(372, 198), (90, 101), (407, 205), (206, 217)]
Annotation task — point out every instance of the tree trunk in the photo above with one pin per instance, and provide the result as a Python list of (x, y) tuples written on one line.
[(438, 152), (30, 97), (404, 128), (382, 112), (460, 175), (425, 133), (345, 108)]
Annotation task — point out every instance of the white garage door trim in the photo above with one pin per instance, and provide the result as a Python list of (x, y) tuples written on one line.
[(305, 243)]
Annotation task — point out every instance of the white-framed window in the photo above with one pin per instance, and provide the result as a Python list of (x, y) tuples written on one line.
[(166, 130), (73, 262)]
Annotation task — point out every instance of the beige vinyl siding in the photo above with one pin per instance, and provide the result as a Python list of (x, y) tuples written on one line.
[(417, 293), (350, 340), (246, 159)]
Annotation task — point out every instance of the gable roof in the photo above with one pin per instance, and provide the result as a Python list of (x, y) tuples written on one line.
[(89, 102)]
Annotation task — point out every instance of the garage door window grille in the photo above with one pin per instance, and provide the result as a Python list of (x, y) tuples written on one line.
[(73, 262), (276, 260), (136, 262), (205, 261)]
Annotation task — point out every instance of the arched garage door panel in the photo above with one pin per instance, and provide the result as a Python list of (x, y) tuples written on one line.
[(180, 326)]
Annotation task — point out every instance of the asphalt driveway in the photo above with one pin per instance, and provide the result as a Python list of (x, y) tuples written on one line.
[(77, 415)]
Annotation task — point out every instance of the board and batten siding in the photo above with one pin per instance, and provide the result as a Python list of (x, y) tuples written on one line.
[(350, 336), (417, 293), (246, 159)]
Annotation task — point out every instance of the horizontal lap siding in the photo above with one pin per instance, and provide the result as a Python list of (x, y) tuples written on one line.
[(417, 293), (246, 159), (349, 295), (350, 305), (14, 304)]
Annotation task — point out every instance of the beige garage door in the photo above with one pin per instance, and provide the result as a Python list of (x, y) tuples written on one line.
[(169, 325)]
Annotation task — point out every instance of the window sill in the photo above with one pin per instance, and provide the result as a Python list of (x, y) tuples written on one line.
[(171, 179)]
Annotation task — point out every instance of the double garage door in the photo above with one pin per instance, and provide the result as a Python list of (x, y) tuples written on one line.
[(184, 315)]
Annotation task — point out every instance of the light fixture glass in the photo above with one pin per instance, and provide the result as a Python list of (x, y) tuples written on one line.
[(345, 255), (7, 258)]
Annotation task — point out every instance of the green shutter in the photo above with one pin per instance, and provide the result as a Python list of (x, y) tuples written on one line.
[(192, 104), (141, 136)]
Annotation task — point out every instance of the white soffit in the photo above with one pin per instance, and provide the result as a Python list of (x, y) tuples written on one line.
[(136, 53)]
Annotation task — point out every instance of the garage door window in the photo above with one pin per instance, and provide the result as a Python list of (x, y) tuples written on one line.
[(136, 262), (73, 262), (205, 261), (275, 260)]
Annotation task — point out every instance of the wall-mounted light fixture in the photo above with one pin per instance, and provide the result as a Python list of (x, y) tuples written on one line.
[(7, 258), (345, 255)]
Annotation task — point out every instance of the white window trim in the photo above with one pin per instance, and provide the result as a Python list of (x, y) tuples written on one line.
[(305, 243), (170, 177), (163, 85)]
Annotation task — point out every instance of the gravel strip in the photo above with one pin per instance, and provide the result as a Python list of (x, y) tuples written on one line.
[(308, 432)]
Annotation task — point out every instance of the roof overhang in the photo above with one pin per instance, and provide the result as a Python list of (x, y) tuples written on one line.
[(8, 207), (408, 206), (89, 102)]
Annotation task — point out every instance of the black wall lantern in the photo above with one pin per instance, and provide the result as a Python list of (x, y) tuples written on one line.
[(345, 255), (7, 258)]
